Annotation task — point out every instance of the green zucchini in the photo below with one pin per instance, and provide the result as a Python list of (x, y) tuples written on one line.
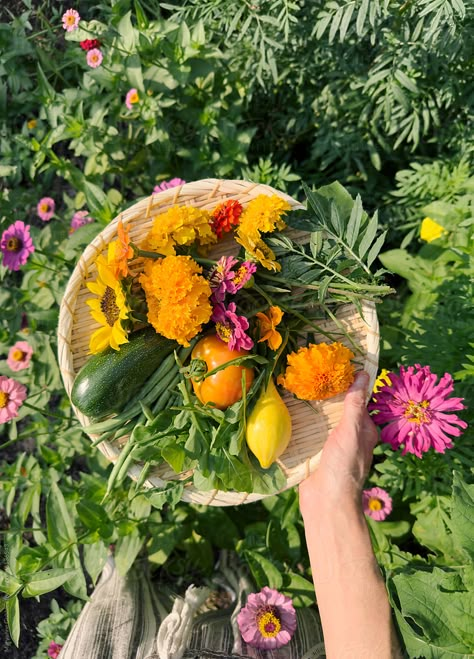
[(110, 379)]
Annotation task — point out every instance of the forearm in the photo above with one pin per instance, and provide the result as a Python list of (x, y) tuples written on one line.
[(352, 599)]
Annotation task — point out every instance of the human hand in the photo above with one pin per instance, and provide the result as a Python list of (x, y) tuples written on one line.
[(347, 454)]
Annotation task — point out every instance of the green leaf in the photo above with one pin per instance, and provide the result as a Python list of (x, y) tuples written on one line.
[(127, 549), (97, 201), (300, 590), (263, 571), (462, 521), (46, 581), (368, 235), (61, 531), (353, 226), (375, 249), (13, 619), (8, 584), (94, 517), (95, 557)]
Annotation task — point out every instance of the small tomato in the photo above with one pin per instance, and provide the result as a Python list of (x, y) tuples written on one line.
[(224, 387)]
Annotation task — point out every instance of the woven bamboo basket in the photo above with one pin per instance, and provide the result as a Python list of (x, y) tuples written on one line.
[(310, 426)]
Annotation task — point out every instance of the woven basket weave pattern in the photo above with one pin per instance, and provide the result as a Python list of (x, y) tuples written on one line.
[(310, 426)]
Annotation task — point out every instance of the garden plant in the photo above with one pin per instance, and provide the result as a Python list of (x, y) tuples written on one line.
[(101, 104)]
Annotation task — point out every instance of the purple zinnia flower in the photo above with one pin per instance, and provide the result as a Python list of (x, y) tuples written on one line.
[(415, 410), (231, 328), (377, 503), (268, 620), (79, 219), (12, 395), (166, 185), (16, 245), (45, 208), (54, 649)]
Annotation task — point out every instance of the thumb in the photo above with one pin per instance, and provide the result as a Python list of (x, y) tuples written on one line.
[(355, 402)]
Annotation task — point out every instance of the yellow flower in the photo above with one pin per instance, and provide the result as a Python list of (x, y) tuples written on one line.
[(382, 380), (177, 297), (267, 324), (431, 230), (318, 371), (259, 251), (120, 252), (179, 225), (109, 309), (31, 124), (263, 215)]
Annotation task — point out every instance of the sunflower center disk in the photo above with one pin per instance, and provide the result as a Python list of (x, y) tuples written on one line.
[(108, 306), (417, 412), (269, 624)]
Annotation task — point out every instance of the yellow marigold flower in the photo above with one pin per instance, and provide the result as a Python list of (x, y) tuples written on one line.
[(259, 251), (120, 252), (179, 225), (109, 309), (431, 230), (177, 297), (382, 380), (267, 324), (318, 371), (263, 215)]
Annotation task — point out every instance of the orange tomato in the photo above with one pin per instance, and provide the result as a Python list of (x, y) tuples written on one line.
[(224, 387)]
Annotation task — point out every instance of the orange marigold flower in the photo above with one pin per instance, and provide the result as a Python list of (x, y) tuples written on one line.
[(318, 371), (177, 297), (267, 324), (120, 252), (263, 215), (225, 216), (179, 225)]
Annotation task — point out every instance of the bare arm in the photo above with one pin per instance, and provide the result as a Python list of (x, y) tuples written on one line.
[(352, 599)]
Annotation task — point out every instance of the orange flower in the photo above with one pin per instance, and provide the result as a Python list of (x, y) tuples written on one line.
[(177, 297), (225, 216), (318, 371), (267, 324), (120, 252)]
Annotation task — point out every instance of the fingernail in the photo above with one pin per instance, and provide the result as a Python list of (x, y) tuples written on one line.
[(361, 381)]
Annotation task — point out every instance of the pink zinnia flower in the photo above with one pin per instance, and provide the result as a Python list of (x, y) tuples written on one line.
[(415, 410), (131, 98), (242, 276), (94, 57), (268, 620), (19, 356), (16, 245), (71, 20), (223, 279), (54, 649), (89, 44), (79, 219), (377, 503), (12, 395), (45, 208), (166, 185), (231, 328)]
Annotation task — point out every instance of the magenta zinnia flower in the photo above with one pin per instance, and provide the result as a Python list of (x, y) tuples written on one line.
[(12, 395), (79, 219), (94, 58), (19, 356), (416, 409), (45, 208), (220, 278), (54, 649), (16, 245), (71, 20), (231, 328), (242, 276), (166, 185), (377, 503), (268, 620)]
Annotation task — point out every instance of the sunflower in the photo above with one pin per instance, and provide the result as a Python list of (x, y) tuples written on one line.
[(109, 309)]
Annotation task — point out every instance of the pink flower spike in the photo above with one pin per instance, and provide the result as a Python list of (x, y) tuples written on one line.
[(231, 328), (376, 503), (415, 409), (132, 98), (94, 58), (19, 356), (71, 20), (45, 208), (12, 395), (268, 620), (166, 185), (54, 649), (79, 219), (16, 245)]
